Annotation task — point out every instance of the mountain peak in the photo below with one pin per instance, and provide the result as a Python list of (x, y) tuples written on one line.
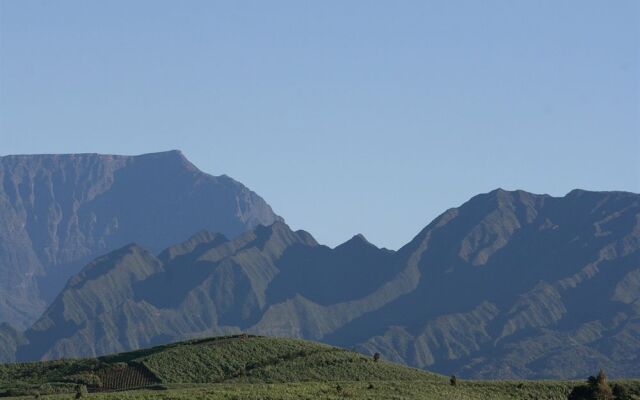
[(356, 241), (359, 237), (131, 256), (264, 231), (500, 192), (175, 154), (202, 238), (278, 229), (501, 197)]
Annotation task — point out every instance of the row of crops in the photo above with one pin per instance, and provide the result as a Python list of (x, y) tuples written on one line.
[(125, 376)]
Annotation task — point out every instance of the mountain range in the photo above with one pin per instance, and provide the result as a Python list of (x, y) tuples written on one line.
[(58, 212), (508, 285)]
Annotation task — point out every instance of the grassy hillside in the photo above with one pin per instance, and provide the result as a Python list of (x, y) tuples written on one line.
[(231, 359), (252, 367)]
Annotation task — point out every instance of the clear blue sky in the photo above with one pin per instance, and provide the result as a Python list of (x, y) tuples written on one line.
[(346, 116)]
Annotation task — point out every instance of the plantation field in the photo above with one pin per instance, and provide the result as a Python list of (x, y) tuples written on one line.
[(421, 390), (250, 367)]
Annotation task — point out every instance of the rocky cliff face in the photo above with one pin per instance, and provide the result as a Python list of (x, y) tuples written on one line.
[(57, 212), (10, 339)]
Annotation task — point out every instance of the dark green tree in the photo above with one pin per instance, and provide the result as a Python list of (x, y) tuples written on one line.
[(453, 381), (81, 390), (597, 388), (581, 392), (602, 390), (376, 357), (621, 393)]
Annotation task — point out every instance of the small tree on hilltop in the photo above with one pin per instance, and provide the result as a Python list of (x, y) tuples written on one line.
[(80, 391), (453, 381), (602, 390), (376, 357), (597, 388)]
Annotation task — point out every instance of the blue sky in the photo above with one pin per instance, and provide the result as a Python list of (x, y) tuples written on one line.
[(346, 116)]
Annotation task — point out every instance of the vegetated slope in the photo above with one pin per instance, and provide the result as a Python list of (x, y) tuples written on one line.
[(241, 358), (58, 212), (263, 359), (509, 285), (370, 390), (250, 367)]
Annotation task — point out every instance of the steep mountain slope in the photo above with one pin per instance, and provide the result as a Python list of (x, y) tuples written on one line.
[(207, 285), (508, 285), (10, 339), (58, 212), (519, 285)]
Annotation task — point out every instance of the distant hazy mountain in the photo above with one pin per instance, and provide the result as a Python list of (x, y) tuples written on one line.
[(10, 339), (508, 285), (58, 212)]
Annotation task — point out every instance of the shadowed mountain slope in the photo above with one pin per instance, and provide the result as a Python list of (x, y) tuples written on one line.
[(207, 285), (58, 212), (508, 285), (10, 339)]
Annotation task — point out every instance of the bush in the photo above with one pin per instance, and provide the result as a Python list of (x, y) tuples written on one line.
[(621, 393), (81, 390), (87, 379), (597, 388), (37, 390)]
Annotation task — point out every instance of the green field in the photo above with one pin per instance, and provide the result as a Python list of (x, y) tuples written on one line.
[(248, 367)]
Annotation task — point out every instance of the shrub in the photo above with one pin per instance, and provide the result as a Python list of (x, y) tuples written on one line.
[(81, 390), (87, 379), (376, 357), (602, 389), (597, 388), (453, 381), (621, 393), (581, 392)]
